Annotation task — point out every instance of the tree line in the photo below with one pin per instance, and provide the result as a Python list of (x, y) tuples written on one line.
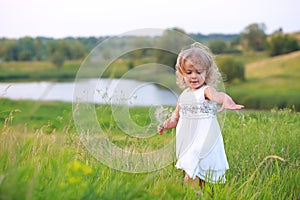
[(252, 38), (43, 48)]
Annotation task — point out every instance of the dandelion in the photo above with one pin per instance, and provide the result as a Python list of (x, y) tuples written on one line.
[(162, 114)]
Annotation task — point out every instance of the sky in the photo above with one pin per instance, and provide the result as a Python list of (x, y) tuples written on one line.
[(84, 18)]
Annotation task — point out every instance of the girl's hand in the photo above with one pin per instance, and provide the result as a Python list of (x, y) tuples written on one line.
[(228, 103), (169, 123), (160, 130)]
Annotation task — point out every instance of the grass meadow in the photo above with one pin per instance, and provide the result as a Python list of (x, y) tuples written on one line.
[(42, 157)]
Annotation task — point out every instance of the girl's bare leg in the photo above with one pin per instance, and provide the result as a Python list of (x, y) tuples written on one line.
[(201, 183), (186, 178)]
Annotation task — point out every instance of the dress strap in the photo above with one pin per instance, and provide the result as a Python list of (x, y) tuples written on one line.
[(204, 87)]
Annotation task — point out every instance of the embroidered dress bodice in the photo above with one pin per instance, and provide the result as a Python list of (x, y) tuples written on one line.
[(199, 109)]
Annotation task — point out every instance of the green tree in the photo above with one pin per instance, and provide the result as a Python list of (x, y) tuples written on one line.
[(171, 39), (10, 52), (232, 69), (139, 42), (217, 46), (59, 52), (41, 45), (26, 49), (58, 59), (73, 49), (235, 42), (282, 44), (254, 37)]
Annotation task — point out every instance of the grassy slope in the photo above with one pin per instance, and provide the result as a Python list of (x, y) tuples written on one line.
[(286, 65), (270, 82)]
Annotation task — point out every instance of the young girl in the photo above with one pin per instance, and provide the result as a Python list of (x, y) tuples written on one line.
[(199, 143)]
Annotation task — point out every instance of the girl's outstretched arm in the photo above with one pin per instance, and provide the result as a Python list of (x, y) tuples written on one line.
[(221, 98), (171, 122)]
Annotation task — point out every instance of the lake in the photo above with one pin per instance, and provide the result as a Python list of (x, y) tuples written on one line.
[(100, 91)]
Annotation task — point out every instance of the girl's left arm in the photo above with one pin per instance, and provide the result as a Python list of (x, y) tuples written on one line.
[(221, 98)]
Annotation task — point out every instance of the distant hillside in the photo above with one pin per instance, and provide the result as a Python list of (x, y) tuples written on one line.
[(271, 82), (287, 65)]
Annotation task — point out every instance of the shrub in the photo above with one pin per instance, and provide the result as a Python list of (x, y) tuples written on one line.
[(217, 46), (232, 69), (282, 44)]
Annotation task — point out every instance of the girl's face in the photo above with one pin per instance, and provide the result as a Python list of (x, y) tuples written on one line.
[(193, 77)]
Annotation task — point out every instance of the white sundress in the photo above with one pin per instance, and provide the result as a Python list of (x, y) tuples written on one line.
[(199, 142)]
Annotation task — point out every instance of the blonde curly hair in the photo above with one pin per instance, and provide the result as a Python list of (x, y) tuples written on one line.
[(200, 57)]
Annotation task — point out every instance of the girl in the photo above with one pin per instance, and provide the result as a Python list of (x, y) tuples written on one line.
[(199, 143)]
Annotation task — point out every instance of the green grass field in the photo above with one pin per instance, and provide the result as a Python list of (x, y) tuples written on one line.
[(42, 157)]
